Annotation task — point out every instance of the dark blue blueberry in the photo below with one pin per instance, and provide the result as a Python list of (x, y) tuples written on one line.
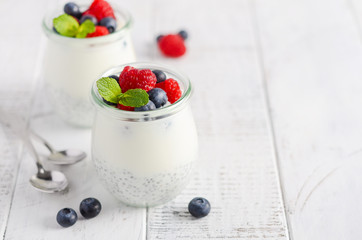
[(149, 106), (72, 9), (90, 17), (109, 103), (161, 76), (90, 207), (66, 217), (114, 77), (183, 34), (158, 96), (199, 207), (159, 37), (110, 23)]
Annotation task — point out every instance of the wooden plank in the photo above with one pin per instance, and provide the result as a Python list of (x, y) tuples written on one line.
[(312, 57), (236, 169)]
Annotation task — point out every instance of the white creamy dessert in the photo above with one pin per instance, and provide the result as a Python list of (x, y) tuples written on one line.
[(145, 158), (71, 65)]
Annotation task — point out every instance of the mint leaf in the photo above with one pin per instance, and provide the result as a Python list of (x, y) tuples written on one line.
[(109, 89), (86, 27), (134, 98), (66, 25)]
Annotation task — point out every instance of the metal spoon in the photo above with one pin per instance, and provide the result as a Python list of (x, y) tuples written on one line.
[(43, 180), (64, 157)]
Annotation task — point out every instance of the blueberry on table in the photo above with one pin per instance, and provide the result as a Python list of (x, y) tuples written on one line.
[(72, 9), (114, 77), (90, 17), (158, 96), (161, 76), (110, 23), (199, 207), (66, 217), (183, 34), (159, 37), (90, 207), (149, 106)]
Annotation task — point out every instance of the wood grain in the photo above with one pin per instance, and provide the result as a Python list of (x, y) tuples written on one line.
[(312, 56)]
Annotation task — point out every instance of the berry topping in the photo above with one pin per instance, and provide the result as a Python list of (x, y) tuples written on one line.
[(66, 217), (72, 9), (158, 97), (172, 89), (110, 23), (199, 207), (149, 106), (183, 34), (161, 76), (90, 17), (126, 108), (132, 78), (172, 45), (100, 31), (101, 9), (90, 207), (115, 77)]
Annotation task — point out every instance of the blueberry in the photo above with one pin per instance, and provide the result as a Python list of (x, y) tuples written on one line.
[(149, 106), (199, 207), (72, 9), (90, 17), (66, 217), (161, 76), (158, 97), (110, 23), (90, 207), (159, 38), (109, 103), (114, 77), (183, 34)]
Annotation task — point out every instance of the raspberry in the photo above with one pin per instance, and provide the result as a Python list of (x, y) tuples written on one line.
[(126, 108), (100, 9), (172, 45), (172, 89), (131, 78), (100, 31)]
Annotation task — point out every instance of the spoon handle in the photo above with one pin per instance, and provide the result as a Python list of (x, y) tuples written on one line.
[(42, 140)]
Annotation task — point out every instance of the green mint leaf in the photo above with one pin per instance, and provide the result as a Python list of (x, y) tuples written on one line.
[(134, 98), (66, 25), (109, 89), (86, 27)]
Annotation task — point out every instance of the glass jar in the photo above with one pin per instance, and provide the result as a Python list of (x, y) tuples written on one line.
[(71, 64), (145, 158)]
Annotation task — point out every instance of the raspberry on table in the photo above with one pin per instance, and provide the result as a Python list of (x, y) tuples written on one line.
[(100, 31), (172, 89), (172, 45), (132, 78)]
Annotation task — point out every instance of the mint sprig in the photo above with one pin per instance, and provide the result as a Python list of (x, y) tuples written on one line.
[(110, 90), (68, 26)]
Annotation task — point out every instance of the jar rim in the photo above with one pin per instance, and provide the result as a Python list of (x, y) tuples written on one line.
[(117, 34), (159, 113)]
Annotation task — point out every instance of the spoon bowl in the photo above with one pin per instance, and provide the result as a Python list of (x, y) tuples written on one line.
[(54, 182), (64, 157)]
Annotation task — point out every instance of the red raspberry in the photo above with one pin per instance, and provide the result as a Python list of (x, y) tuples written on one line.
[(172, 89), (100, 9), (172, 45), (131, 78), (100, 31), (126, 108)]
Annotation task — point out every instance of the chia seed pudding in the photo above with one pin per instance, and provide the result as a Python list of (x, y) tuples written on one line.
[(145, 158), (72, 64)]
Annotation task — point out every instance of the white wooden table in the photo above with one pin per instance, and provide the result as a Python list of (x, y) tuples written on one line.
[(277, 105)]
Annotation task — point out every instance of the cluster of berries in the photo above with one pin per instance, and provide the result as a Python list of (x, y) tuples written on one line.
[(159, 88), (99, 12)]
